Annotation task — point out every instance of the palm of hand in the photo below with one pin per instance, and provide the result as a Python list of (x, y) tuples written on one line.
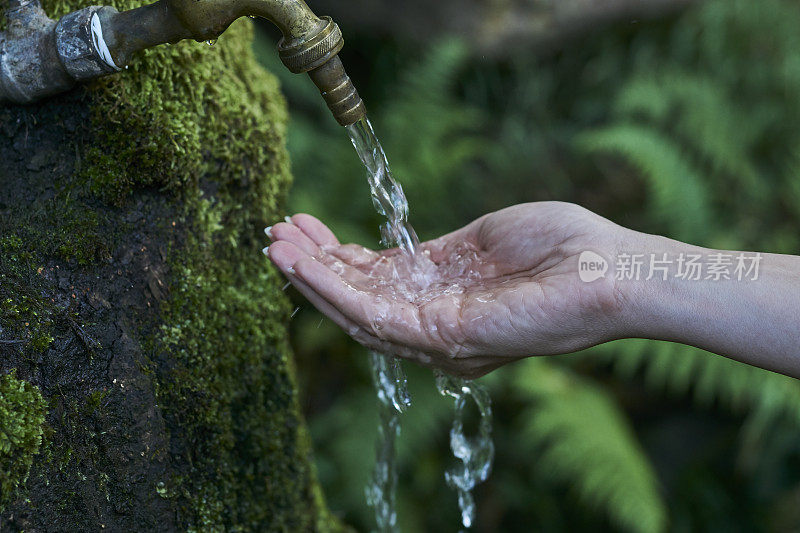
[(504, 287)]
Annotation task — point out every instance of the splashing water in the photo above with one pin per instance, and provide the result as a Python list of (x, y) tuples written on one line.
[(476, 454), (417, 281)]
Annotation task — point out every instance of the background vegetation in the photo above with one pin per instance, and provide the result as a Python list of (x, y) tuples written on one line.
[(688, 127)]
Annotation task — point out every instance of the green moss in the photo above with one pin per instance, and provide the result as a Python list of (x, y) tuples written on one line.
[(232, 391), (14, 252), (22, 412), (25, 318), (75, 233), (79, 237)]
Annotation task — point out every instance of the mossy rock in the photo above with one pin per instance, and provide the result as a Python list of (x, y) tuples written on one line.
[(133, 294), (22, 410)]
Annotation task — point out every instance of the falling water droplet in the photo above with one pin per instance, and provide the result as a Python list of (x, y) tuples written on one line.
[(296, 309), (381, 492), (475, 453), (403, 400)]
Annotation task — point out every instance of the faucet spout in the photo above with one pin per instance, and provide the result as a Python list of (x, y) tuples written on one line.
[(97, 41)]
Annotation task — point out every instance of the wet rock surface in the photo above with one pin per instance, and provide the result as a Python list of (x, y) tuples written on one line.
[(107, 444)]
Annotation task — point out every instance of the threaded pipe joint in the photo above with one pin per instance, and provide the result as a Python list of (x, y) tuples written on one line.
[(338, 92), (313, 52)]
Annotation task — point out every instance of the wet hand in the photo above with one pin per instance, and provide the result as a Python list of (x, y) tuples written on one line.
[(502, 288)]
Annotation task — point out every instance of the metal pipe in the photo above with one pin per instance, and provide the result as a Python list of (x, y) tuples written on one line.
[(41, 57), (339, 92)]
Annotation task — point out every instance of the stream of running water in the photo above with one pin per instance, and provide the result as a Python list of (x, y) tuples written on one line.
[(474, 453)]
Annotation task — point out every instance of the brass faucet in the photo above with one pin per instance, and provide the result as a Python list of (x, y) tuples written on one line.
[(40, 57)]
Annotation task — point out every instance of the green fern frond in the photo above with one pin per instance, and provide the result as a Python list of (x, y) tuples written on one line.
[(700, 112), (710, 379), (679, 196), (751, 46), (424, 113), (643, 95), (585, 441), (435, 74)]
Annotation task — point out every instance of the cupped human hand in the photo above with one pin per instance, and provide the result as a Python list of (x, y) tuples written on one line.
[(502, 288)]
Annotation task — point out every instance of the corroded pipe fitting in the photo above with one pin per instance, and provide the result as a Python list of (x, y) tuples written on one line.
[(310, 53), (40, 57)]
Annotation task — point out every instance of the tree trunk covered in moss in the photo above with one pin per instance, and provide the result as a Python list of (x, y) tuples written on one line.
[(134, 297)]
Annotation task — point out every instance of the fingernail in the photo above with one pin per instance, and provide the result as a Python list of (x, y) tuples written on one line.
[(265, 251), (268, 231), (288, 219)]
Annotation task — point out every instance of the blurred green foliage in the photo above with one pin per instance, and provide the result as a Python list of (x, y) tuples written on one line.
[(688, 127)]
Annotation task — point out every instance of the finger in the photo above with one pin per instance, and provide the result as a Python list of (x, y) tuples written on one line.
[(354, 254), (355, 331), (374, 265), (389, 252), (285, 254), (293, 234), (318, 232), (366, 261), (325, 307), (434, 249), (315, 229), (386, 318)]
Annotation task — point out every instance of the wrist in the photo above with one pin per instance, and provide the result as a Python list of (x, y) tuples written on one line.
[(739, 304), (657, 301)]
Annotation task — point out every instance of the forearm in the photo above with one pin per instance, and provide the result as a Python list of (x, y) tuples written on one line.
[(753, 318)]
